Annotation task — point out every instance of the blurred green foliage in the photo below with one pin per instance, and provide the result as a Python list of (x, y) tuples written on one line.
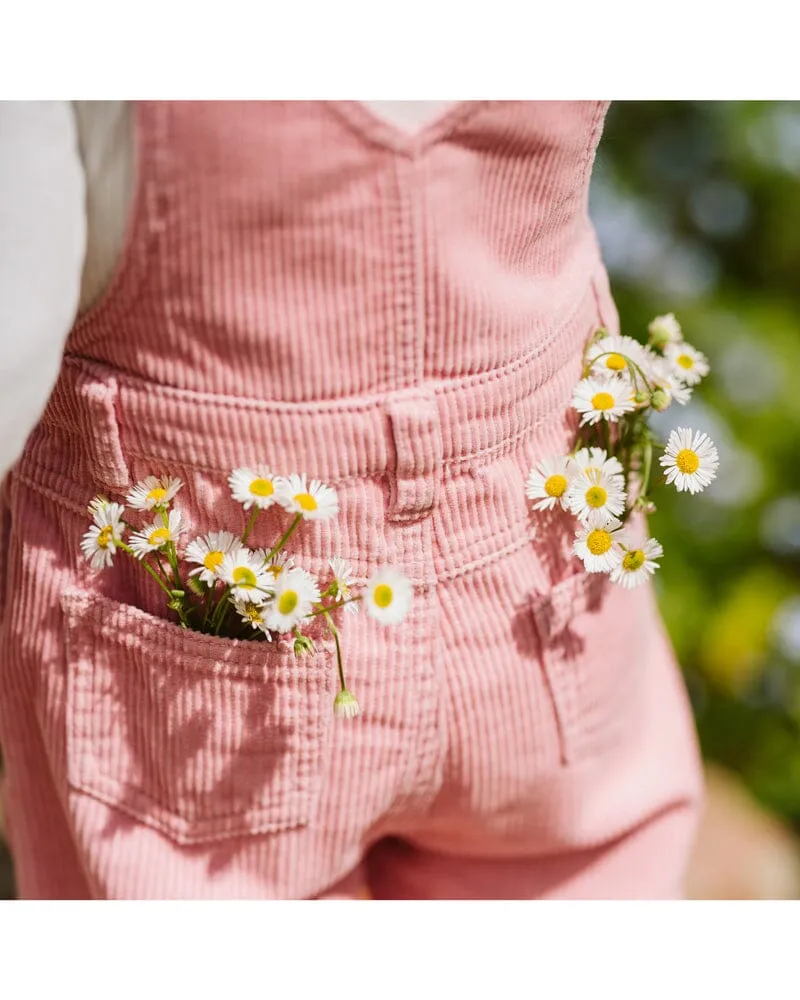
[(697, 206)]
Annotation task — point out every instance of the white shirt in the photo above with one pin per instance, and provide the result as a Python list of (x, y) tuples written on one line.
[(66, 184)]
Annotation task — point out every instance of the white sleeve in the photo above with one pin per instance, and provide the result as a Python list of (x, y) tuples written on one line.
[(42, 245)]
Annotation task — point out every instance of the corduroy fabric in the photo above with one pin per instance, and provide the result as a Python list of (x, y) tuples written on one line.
[(404, 318)]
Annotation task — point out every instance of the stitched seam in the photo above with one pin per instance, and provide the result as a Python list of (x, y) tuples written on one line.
[(370, 403)]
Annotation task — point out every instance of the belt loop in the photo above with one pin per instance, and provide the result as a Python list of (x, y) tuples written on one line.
[(417, 435), (85, 400)]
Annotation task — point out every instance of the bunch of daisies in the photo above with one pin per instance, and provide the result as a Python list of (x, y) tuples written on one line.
[(219, 585), (608, 474)]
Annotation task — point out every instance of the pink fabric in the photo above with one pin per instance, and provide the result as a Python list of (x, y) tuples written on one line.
[(402, 317)]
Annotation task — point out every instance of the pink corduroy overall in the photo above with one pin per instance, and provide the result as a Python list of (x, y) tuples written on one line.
[(305, 286)]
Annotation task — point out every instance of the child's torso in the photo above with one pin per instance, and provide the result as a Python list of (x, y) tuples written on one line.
[(297, 251)]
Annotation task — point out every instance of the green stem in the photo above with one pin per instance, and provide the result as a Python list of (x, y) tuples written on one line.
[(207, 603), (251, 523), (335, 634), (219, 612), (331, 607), (285, 537), (150, 570), (648, 464)]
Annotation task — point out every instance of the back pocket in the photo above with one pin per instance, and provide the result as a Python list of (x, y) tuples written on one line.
[(593, 638), (200, 737)]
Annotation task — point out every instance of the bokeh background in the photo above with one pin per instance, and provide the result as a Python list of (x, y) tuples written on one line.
[(697, 206)]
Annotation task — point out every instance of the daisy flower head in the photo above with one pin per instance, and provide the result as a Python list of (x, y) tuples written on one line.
[(251, 613), (156, 535), (244, 572), (388, 596), (603, 398), (208, 551), (548, 483), (315, 501), (666, 379), (637, 565), (153, 494), (690, 460), (345, 705), (665, 330), (590, 461), (278, 564), (99, 544), (296, 591), (610, 356), (688, 364), (595, 546), (343, 583), (594, 497), (253, 487)]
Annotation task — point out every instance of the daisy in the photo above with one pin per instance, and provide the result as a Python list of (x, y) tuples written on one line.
[(245, 573), (343, 582), (253, 487), (594, 497), (208, 551), (548, 483), (156, 535), (637, 565), (345, 705), (595, 547), (296, 591), (153, 494), (251, 613), (278, 564), (603, 398), (315, 501), (99, 544), (666, 379), (665, 330), (388, 596), (688, 364), (690, 460), (596, 460), (608, 356)]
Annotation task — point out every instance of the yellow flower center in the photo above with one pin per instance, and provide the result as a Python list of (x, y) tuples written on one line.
[(105, 537), (598, 542), (287, 602), (275, 569), (158, 537), (383, 595), (253, 613), (634, 559), (305, 501), (687, 461), (157, 494), (602, 401), (615, 362), (212, 561), (243, 576), (685, 361), (596, 496), (555, 485), (262, 488)]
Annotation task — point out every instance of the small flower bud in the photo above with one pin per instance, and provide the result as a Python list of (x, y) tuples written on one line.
[(303, 645), (345, 705), (644, 506), (641, 398), (661, 399)]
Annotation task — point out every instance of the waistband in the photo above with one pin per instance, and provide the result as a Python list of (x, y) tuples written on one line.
[(445, 424)]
